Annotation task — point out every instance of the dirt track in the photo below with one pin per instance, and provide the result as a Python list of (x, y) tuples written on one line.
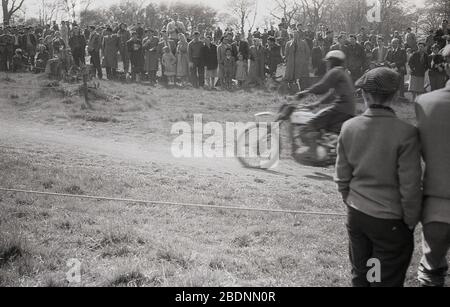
[(38, 138)]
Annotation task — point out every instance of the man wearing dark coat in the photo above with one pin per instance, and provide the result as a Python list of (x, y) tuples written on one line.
[(396, 59), (274, 57), (356, 58), (94, 46), (240, 46), (136, 53)]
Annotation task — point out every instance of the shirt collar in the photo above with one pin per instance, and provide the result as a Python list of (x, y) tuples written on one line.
[(378, 113)]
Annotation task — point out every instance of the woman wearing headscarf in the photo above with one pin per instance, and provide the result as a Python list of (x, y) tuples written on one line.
[(182, 59)]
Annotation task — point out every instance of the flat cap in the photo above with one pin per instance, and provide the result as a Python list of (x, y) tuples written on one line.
[(380, 80)]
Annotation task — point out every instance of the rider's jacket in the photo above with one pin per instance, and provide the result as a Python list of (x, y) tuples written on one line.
[(340, 81)]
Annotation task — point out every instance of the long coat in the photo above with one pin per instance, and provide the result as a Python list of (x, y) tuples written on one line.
[(221, 54), (150, 45), (136, 53), (110, 49), (257, 64), (298, 57), (182, 59), (419, 64)]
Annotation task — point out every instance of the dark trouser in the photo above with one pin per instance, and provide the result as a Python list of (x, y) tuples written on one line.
[(110, 73), (3, 62), (388, 241), (78, 57), (152, 75), (402, 85), (436, 244), (95, 61), (198, 73), (125, 58)]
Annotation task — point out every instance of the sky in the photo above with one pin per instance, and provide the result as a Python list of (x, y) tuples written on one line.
[(264, 6)]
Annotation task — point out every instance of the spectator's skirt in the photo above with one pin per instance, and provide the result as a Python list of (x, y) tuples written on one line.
[(416, 84)]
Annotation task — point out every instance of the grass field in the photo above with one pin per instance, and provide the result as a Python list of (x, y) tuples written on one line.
[(122, 149)]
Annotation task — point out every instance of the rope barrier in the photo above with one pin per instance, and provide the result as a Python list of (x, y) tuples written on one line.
[(31, 87), (174, 204)]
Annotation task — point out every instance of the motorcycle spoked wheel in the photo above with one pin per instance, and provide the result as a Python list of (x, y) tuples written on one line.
[(265, 158)]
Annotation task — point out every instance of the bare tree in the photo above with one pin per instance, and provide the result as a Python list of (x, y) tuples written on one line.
[(313, 10), (9, 8), (48, 10), (243, 9), (287, 8)]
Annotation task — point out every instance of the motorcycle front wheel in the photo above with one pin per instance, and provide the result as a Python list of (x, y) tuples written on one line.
[(259, 146)]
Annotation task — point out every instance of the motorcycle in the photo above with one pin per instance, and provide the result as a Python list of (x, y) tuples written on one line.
[(295, 118)]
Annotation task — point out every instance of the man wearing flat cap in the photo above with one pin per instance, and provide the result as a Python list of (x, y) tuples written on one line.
[(378, 173), (433, 113)]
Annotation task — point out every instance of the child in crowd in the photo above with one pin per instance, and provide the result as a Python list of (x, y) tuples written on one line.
[(169, 61), (229, 69), (378, 172), (42, 58), (19, 61), (241, 70)]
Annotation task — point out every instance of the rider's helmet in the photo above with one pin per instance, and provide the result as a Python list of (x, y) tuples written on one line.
[(335, 57)]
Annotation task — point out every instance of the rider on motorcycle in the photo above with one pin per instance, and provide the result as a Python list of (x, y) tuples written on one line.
[(338, 83)]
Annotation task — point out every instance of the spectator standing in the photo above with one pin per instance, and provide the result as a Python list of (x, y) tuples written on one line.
[(410, 40), (150, 45), (182, 59), (209, 54), (94, 46), (442, 34), (419, 64), (136, 52), (368, 50), (356, 58), (165, 42), (396, 58), (297, 61), (196, 62), (77, 44), (64, 33), (218, 35), (169, 63), (110, 49), (433, 112), (221, 53), (229, 69), (241, 70), (240, 46), (317, 55), (437, 73), (274, 57), (328, 41), (380, 52), (378, 172), (124, 37), (257, 69)]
